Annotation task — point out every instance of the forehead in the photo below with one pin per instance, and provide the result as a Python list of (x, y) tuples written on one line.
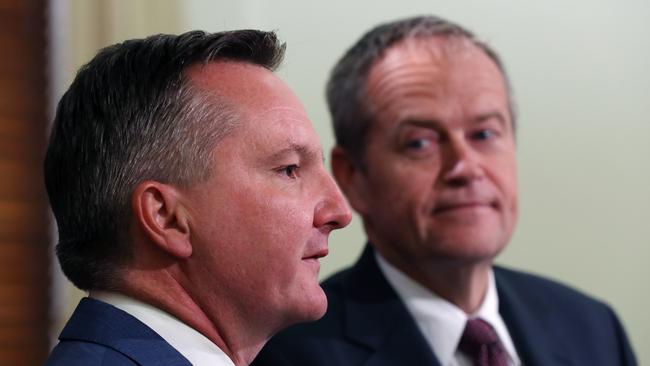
[(443, 51), (436, 60), (435, 74), (269, 115)]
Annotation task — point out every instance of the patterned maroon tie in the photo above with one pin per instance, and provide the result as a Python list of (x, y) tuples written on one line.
[(481, 343)]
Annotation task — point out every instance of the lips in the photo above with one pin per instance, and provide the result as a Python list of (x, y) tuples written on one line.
[(454, 205), (316, 253)]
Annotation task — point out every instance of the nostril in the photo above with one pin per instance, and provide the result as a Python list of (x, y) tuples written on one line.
[(459, 181), (342, 219), (345, 218), (333, 214), (463, 172)]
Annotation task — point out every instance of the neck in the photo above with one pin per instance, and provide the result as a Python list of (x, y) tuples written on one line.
[(462, 283), (216, 321)]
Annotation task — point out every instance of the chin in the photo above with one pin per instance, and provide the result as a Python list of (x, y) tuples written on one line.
[(476, 253), (317, 306), (310, 307)]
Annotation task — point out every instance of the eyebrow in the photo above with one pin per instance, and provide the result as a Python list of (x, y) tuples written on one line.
[(490, 115), (426, 123), (300, 149), (481, 118)]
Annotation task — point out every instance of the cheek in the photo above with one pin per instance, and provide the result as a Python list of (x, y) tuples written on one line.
[(510, 180), (505, 177), (407, 190), (288, 212), (280, 227), (266, 240)]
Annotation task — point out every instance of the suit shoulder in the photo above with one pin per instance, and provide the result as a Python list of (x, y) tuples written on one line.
[(541, 294), (86, 353), (587, 324), (521, 279)]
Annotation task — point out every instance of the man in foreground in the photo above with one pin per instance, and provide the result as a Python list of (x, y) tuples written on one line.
[(425, 154), (191, 200)]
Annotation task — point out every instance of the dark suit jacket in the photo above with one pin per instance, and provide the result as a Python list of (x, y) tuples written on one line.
[(367, 324), (101, 334)]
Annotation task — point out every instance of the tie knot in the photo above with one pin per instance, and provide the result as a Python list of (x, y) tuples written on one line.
[(481, 343), (478, 332)]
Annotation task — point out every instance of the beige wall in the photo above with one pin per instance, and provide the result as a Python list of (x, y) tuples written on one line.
[(581, 76)]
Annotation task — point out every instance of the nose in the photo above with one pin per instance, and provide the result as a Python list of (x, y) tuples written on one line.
[(333, 211), (462, 163)]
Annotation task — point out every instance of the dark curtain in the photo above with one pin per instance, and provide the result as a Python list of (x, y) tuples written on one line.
[(24, 221)]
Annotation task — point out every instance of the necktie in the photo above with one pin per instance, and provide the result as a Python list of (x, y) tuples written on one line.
[(481, 343)]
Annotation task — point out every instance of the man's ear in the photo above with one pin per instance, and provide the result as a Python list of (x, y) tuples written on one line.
[(350, 178), (161, 218)]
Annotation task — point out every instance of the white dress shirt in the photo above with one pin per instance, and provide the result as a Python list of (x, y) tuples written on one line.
[(441, 322), (194, 346)]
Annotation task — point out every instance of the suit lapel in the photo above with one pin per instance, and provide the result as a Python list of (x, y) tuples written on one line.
[(376, 318), (116, 329), (527, 320)]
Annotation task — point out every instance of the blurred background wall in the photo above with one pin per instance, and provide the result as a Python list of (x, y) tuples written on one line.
[(581, 76)]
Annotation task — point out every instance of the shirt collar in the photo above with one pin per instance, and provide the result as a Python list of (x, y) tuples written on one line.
[(441, 322), (193, 345)]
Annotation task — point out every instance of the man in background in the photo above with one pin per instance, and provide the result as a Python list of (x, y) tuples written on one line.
[(191, 201), (425, 130)]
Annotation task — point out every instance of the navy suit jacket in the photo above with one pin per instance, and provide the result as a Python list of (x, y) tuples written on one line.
[(367, 324), (101, 334)]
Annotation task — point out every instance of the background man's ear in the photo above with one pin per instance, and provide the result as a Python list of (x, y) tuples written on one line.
[(161, 218), (350, 178)]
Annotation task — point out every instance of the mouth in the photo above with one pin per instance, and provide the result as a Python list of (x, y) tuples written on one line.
[(314, 256), (449, 207)]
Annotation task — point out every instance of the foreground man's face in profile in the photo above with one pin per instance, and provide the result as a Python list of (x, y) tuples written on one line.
[(262, 220), (440, 155)]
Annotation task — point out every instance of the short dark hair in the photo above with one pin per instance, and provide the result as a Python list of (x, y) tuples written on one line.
[(131, 115), (346, 89)]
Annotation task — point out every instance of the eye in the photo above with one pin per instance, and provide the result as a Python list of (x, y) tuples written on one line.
[(485, 134), (290, 171), (417, 144)]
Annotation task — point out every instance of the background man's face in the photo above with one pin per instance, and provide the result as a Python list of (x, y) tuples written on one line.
[(440, 157), (262, 220)]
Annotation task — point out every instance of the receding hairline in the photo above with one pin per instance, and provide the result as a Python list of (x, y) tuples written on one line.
[(443, 49), (432, 51), (445, 45), (196, 72), (227, 80)]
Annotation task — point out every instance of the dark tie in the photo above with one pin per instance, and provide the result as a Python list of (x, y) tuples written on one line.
[(481, 343)]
